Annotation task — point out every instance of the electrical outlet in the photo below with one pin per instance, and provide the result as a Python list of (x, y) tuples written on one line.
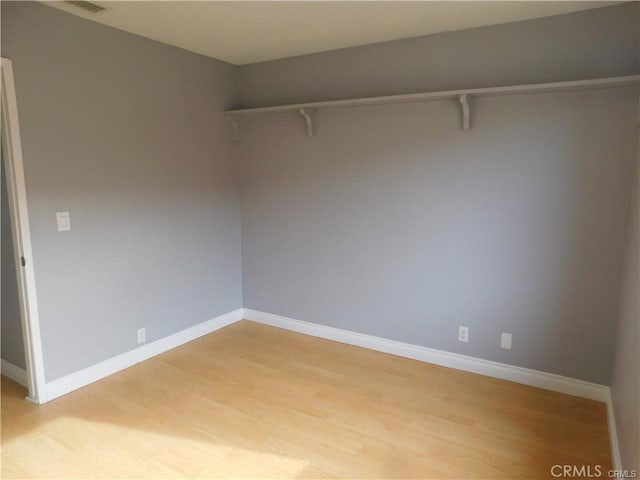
[(463, 334), (505, 341), (142, 335)]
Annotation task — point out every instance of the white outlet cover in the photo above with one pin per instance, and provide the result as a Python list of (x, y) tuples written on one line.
[(463, 334), (505, 341), (142, 335)]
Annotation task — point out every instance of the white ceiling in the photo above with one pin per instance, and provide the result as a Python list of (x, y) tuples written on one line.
[(242, 32)]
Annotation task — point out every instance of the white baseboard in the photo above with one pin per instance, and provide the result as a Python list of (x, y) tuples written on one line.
[(536, 378), (527, 376), (78, 379), (15, 373), (616, 460)]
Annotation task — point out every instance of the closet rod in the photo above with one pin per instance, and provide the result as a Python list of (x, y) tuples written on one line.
[(610, 82), (307, 110)]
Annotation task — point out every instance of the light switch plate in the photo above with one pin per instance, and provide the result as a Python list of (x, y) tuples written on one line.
[(64, 221)]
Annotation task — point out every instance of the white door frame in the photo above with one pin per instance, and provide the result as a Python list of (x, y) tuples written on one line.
[(17, 195)]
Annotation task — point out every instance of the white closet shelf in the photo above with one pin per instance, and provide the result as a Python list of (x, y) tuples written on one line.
[(464, 96)]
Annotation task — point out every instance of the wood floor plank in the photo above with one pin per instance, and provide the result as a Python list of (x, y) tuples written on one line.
[(252, 401)]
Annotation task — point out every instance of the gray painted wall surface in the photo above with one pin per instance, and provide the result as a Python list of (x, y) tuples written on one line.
[(12, 342), (391, 222), (596, 43), (625, 381), (394, 222), (127, 134)]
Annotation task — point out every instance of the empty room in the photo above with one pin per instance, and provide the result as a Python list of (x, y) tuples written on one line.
[(320, 239)]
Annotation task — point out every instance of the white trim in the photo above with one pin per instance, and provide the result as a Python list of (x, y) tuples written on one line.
[(616, 459), (526, 376), (463, 96), (15, 373), (610, 82), (79, 379), (17, 194)]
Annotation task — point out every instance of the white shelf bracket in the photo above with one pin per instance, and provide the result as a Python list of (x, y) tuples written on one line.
[(235, 125), (309, 115), (466, 112)]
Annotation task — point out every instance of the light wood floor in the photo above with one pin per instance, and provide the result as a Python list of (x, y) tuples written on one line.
[(254, 401)]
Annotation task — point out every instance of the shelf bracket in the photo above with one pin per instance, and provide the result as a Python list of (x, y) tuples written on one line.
[(235, 125), (309, 115), (466, 112)]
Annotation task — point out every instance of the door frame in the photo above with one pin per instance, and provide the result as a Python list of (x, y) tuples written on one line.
[(19, 213)]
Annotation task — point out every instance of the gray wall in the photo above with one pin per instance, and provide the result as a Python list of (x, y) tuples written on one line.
[(595, 43), (127, 134), (625, 382), (12, 343), (394, 222), (391, 221)]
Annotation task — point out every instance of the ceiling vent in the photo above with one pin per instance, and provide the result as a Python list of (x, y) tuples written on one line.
[(86, 6)]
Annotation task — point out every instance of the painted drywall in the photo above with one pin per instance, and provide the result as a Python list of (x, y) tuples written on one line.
[(596, 43), (128, 135), (12, 347), (392, 221), (625, 381), (347, 228)]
